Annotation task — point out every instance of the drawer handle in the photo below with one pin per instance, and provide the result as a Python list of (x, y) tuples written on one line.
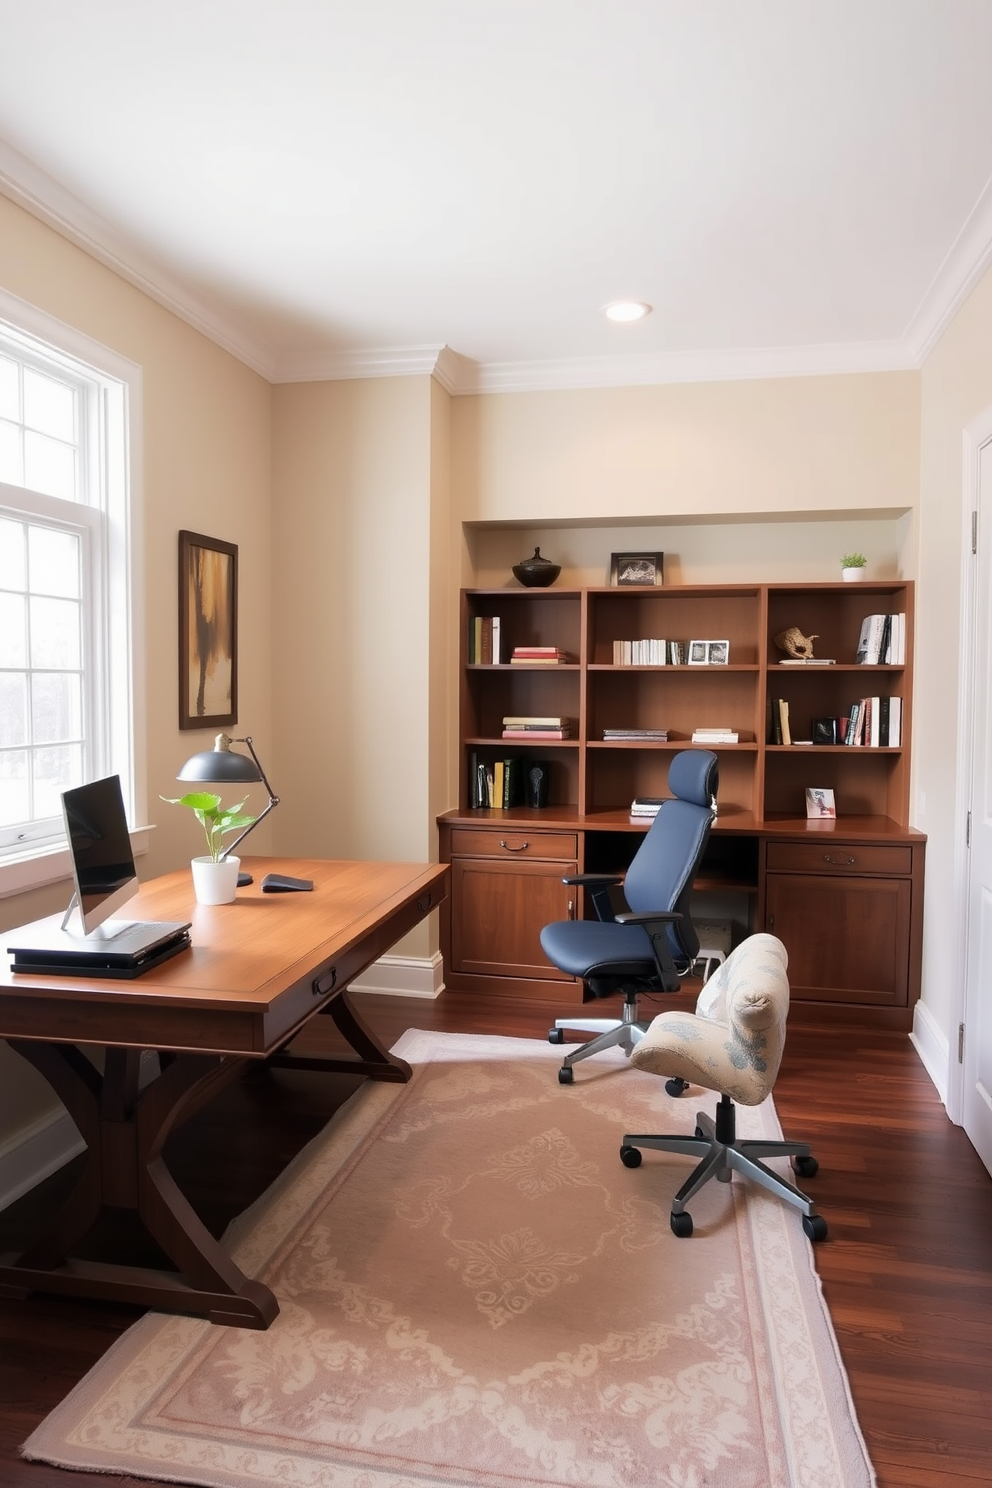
[(425, 901), (837, 862), (522, 848), (325, 983)]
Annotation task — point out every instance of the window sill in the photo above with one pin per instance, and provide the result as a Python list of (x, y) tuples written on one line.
[(34, 869)]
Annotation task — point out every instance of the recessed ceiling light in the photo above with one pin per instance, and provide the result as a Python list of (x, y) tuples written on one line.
[(625, 310)]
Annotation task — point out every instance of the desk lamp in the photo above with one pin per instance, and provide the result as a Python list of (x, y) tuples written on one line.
[(222, 766)]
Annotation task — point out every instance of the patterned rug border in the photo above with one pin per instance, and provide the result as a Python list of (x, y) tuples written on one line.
[(258, 1235)]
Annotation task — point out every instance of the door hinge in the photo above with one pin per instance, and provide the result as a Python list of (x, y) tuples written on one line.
[(974, 531), (960, 1043)]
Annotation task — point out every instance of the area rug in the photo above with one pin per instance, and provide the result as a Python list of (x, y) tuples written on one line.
[(474, 1292)]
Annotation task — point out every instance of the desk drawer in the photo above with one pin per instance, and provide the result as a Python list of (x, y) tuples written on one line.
[(504, 842), (846, 857)]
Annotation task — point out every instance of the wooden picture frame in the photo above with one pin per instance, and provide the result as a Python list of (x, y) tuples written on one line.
[(208, 631), (637, 570)]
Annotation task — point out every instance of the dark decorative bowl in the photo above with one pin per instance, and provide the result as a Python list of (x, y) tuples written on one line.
[(536, 572)]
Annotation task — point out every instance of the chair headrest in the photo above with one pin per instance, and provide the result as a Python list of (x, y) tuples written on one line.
[(694, 775)]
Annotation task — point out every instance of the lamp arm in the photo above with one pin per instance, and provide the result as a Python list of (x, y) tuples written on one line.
[(273, 799)]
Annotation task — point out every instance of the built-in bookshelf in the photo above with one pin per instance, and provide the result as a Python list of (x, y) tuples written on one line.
[(595, 774)]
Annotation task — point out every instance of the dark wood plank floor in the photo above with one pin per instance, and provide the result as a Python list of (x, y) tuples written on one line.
[(907, 1270)]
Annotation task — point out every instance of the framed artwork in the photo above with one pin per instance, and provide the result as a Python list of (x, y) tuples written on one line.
[(717, 653), (820, 802), (208, 631), (698, 652), (637, 569)]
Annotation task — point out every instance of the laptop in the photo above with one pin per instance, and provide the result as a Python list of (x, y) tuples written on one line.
[(86, 941)]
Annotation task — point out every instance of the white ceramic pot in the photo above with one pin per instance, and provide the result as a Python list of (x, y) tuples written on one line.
[(215, 883), (852, 575)]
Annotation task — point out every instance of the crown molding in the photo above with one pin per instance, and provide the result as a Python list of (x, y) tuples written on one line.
[(342, 366), (42, 196), (967, 259), (705, 366)]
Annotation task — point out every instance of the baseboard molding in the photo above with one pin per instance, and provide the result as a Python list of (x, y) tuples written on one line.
[(930, 1043), (35, 1153), (404, 976)]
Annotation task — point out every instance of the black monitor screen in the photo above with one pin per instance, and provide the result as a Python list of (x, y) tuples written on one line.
[(102, 860)]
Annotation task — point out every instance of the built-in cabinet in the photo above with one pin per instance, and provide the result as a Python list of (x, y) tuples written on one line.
[(845, 896)]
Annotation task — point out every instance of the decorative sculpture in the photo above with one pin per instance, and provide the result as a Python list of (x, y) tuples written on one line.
[(794, 643)]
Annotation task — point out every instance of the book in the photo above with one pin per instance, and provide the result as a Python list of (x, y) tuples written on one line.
[(808, 661), (534, 720), (642, 806), (895, 722), (786, 727), (659, 736), (513, 782), (775, 722), (496, 641), (537, 733), (714, 736), (854, 721)]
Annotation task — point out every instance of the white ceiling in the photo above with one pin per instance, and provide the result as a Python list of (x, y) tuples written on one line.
[(342, 189)]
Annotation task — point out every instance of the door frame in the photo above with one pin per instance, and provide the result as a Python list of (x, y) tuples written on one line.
[(977, 434)]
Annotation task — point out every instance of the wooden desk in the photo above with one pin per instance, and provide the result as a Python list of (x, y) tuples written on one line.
[(258, 970)]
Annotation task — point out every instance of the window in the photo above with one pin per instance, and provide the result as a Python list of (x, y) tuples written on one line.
[(67, 625)]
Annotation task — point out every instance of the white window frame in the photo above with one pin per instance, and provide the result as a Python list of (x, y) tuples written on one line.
[(115, 623)]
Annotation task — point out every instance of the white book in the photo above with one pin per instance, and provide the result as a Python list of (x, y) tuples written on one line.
[(874, 722), (895, 722), (496, 657)]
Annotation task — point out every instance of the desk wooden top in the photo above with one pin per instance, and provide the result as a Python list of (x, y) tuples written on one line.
[(257, 968)]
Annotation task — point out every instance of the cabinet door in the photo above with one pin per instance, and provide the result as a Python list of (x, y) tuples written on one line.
[(498, 910), (847, 938)]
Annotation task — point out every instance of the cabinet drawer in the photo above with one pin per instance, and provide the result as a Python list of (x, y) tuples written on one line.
[(505, 843), (829, 857)]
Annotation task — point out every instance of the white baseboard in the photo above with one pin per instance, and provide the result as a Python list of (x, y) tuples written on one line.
[(403, 976), (34, 1154), (930, 1043)]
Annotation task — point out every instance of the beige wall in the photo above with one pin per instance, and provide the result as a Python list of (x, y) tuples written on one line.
[(205, 466), (352, 566), (787, 446), (957, 388)]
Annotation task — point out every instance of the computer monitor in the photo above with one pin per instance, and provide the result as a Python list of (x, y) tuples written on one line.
[(102, 861)]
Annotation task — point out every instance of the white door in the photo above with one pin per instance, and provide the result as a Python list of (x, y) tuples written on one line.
[(977, 1091)]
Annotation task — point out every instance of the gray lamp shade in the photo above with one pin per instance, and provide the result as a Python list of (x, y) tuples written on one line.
[(221, 766)]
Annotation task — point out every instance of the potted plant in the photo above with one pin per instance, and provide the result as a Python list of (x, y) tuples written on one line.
[(852, 567), (215, 876)]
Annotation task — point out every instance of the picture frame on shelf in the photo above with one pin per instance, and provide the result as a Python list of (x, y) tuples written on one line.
[(717, 653), (637, 570), (698, 653), (820, 802), (208, 631)]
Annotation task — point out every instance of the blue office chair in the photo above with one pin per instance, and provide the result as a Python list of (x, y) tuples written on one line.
[(643, 939)]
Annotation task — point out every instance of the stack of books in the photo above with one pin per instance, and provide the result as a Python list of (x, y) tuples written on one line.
[(645, 808), (640, 653), (534, 726), (714, 736), (882, 641), (645, 736), (497, 783), (538, 655)]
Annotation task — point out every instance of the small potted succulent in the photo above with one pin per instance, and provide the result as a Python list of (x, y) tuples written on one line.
[(852, 567), (215, 875)]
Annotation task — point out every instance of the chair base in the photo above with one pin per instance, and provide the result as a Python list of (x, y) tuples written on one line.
[(625, 1033), (721, 1156)]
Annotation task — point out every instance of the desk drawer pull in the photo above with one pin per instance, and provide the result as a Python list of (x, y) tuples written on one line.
[(523, 846), (424, 902), (838, 862), (325, 983)]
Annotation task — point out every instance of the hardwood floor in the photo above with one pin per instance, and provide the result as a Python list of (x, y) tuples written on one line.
[(907, 1270)]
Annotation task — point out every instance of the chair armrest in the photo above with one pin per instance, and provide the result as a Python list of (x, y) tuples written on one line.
[(589, 880), (656, 924), (604, 892)]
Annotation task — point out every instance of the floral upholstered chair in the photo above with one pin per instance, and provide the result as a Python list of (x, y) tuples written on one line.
[(732, 1044)]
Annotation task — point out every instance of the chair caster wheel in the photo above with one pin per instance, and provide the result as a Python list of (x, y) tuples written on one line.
[(556, 1035), (675, 1086), (565, 1075), (815, 1227), (682, 1225), (630, 1157), (806, 1167)]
